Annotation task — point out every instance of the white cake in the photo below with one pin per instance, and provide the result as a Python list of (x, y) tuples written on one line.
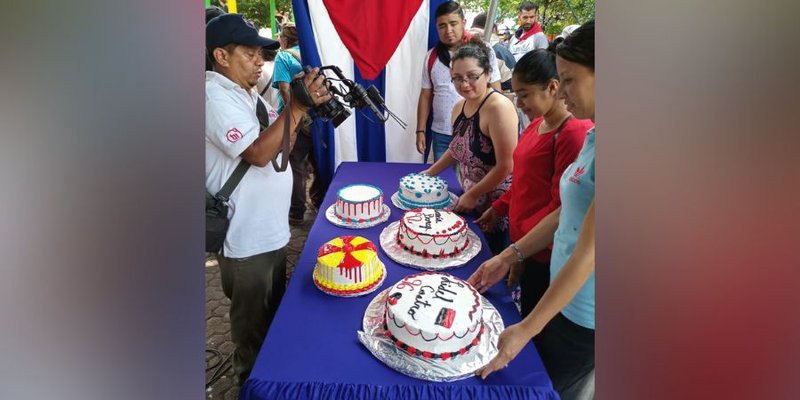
[(422, 190), (348, 266), (432, 233), (433, 315), (359, 203)]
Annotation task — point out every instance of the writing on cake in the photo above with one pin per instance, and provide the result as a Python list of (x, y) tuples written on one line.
[(433, 315)]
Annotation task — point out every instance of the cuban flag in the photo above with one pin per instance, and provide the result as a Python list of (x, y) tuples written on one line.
[(374, 42)]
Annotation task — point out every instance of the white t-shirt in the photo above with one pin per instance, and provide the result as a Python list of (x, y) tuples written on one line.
[(259, 205), (445, 95), (519, 48)]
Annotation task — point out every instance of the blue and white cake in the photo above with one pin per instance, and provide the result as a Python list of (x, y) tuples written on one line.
[(422, 190)]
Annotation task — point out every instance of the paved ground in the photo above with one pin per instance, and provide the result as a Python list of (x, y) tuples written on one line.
[(218, 332)]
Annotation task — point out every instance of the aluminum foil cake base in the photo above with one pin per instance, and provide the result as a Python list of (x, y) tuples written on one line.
[(398, 204), (374, 287), (461, 367), (330, 214), (395, 252)]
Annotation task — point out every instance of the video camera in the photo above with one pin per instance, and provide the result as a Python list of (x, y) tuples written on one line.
[(351, 93)]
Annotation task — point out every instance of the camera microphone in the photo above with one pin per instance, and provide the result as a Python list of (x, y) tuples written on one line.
[(376, 98)]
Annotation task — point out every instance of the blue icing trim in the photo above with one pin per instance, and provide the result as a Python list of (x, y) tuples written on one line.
[(418, 194), (438, 194), (413, 204)]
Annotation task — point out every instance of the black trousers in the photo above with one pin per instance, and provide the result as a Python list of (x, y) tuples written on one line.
[(567, 351), (304, 150), (255, 286), (533, 283)]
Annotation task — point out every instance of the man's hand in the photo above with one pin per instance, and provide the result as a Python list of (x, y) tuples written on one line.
[(509, 344), (317, 88), (489, 273), (421, 142), (488, 220)]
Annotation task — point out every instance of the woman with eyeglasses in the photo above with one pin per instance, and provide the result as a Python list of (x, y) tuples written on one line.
[(562, 323), (484, 137)]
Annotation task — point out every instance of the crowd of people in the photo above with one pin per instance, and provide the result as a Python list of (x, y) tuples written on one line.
[(517, 124)]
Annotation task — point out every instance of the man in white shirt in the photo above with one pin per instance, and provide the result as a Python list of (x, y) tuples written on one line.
[(438, 93), (253, 258), (530, 35)]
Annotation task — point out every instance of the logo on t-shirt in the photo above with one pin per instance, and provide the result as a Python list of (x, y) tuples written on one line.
[(233, 135), (576, 177)]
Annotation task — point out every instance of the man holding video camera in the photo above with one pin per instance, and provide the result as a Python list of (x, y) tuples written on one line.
[(253, 259)]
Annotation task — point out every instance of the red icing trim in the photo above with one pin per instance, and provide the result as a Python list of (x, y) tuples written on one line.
[(348, 292), (460, 223)]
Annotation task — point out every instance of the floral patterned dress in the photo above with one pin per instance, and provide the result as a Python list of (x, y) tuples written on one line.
[(474, 152)]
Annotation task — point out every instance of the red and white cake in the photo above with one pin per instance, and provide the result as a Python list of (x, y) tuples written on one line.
[(432, 233), (359, 204), (434, 315)]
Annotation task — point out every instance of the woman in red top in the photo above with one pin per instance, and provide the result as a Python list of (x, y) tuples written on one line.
[(547, 146)]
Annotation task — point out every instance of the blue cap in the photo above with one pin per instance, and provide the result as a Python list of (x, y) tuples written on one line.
[(232, 28)]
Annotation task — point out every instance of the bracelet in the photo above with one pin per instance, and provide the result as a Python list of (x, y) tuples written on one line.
[(521, 257)]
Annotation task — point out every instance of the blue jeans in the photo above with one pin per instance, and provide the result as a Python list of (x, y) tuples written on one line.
[(440, 144)]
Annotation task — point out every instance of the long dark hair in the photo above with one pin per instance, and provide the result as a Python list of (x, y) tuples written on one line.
[(578, 47), (537, 67)]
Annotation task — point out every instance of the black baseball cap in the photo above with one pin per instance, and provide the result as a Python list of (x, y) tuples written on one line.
[(232, 28)]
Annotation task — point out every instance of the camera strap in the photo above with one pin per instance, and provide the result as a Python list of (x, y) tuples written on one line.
[(263, 120)]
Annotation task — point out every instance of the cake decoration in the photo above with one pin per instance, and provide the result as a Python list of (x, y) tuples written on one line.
[(432, 233), (421, 190), (433, 315), (358, 206), (348, 266)]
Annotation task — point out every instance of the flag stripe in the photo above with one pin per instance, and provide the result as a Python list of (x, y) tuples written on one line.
[(360, 138)]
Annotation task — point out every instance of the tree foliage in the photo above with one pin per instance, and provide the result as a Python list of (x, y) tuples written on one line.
[(258, 10), (554, 15)]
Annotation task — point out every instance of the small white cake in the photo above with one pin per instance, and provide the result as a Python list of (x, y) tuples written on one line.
[(432, 233), (422, 190), (433, 315), (359, 203)]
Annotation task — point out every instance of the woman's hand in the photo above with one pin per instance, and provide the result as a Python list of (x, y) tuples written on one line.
[(466, 203), (510, 343), (421, 142), (514, 274), (489, 273), (488, 220)]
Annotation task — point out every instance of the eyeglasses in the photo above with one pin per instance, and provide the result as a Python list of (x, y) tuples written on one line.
[(471, 78)]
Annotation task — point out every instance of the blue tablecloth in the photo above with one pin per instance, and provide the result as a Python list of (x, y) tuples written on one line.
[(312, 349)]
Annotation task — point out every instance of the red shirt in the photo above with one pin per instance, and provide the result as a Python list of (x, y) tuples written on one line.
[(536, 175)]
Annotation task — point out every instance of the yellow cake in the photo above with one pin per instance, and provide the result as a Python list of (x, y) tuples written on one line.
[(348, 266)]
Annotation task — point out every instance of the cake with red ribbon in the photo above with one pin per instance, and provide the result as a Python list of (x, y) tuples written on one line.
[(358, 204), (348, 266), (433, 315), (432, 233)]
